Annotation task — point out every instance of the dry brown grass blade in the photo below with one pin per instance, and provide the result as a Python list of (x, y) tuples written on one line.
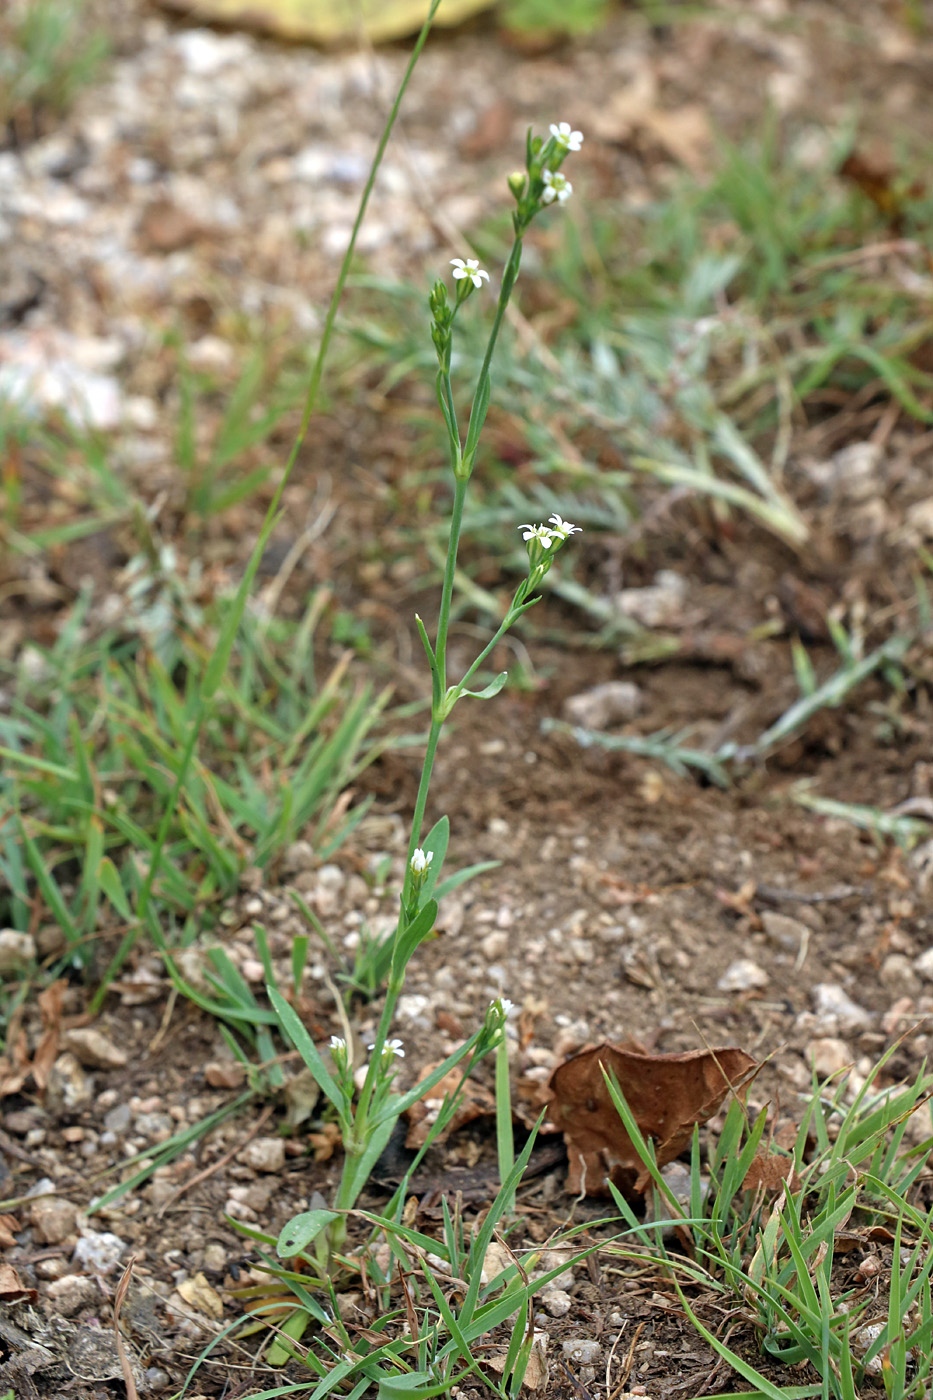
[(128, 1379)]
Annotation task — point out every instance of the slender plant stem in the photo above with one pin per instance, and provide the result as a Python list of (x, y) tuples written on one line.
[(314, 384), (450, 569), (505, 1142), (481, 397)]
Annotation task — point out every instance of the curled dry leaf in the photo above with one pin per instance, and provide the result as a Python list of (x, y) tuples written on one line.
[(12, 1288), (536, 1372), (771, 1171), (476, 1102), (667, 1094), (16, 1067)]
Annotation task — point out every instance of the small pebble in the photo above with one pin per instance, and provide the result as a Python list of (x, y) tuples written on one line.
[(557, 1302), (924, 965), (583, 1351), (828, 1055), (93, 1049), (52, 1219), (603, 705), (660, 604), (899, 975), (98, 1251), (17, 950), (783, 931), (73, 1292), (264, 1154), (743, 976), (68, 1087), (836, 1009)]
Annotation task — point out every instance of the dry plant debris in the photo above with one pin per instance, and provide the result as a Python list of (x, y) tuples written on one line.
[(667, 1094)]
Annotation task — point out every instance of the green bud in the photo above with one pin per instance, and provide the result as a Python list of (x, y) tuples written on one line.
[(517, 183)]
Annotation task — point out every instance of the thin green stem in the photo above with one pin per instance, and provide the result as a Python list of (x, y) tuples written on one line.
[(450, 568), (505, 1142), (504, 626), (481, 397)]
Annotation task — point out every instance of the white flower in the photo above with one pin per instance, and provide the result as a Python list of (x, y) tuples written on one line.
[(555, 187), (471, 269), (570, 140), (503, 1005), (392, 1047), (541, 533), (562, 528), (420, 861)]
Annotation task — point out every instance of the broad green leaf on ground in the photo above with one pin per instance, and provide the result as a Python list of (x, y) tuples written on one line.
[(329, 21)]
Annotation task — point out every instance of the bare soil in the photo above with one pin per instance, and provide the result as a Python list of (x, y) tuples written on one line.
[(626, 895)]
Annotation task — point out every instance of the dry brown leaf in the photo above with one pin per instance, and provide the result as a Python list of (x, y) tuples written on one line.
[(326, 1142), (771, 1171), (476, 1102), (667, 1094), (684, 132), (199, 1294), (50, 1001), (536, 1373), (8, 1225), (12, 1288)]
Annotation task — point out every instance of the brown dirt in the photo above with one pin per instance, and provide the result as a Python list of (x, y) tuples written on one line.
[(624, 892)]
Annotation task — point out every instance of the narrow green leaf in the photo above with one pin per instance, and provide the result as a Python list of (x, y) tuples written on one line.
[(301, 1230)]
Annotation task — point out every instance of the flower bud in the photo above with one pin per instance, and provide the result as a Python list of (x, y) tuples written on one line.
[(517, 183)]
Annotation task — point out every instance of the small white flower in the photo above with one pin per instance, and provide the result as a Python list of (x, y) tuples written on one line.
[(555, 187), (420, 861), (541, 533), (570, 140), (471, 269), (337, 1043), (503, 1005), (392, 1047), (562, 528)]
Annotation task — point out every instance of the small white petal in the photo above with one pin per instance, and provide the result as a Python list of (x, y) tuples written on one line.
[(556, 186), (570, 140), (337, 1042), (562, 528), (541, 533)]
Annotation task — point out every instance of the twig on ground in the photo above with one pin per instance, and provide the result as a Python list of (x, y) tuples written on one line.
[(215, 1166)]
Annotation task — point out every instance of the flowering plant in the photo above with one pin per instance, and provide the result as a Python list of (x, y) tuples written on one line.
[(368, 1111)]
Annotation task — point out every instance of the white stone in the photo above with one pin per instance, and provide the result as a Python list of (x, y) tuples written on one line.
[(584, 1351), (98, 1251), (557, 1302), (603, 705), (924, 965), (93, 1049), (661, 604), (412, 1006), (743, 976), (835, 1008), (264, 1154)]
